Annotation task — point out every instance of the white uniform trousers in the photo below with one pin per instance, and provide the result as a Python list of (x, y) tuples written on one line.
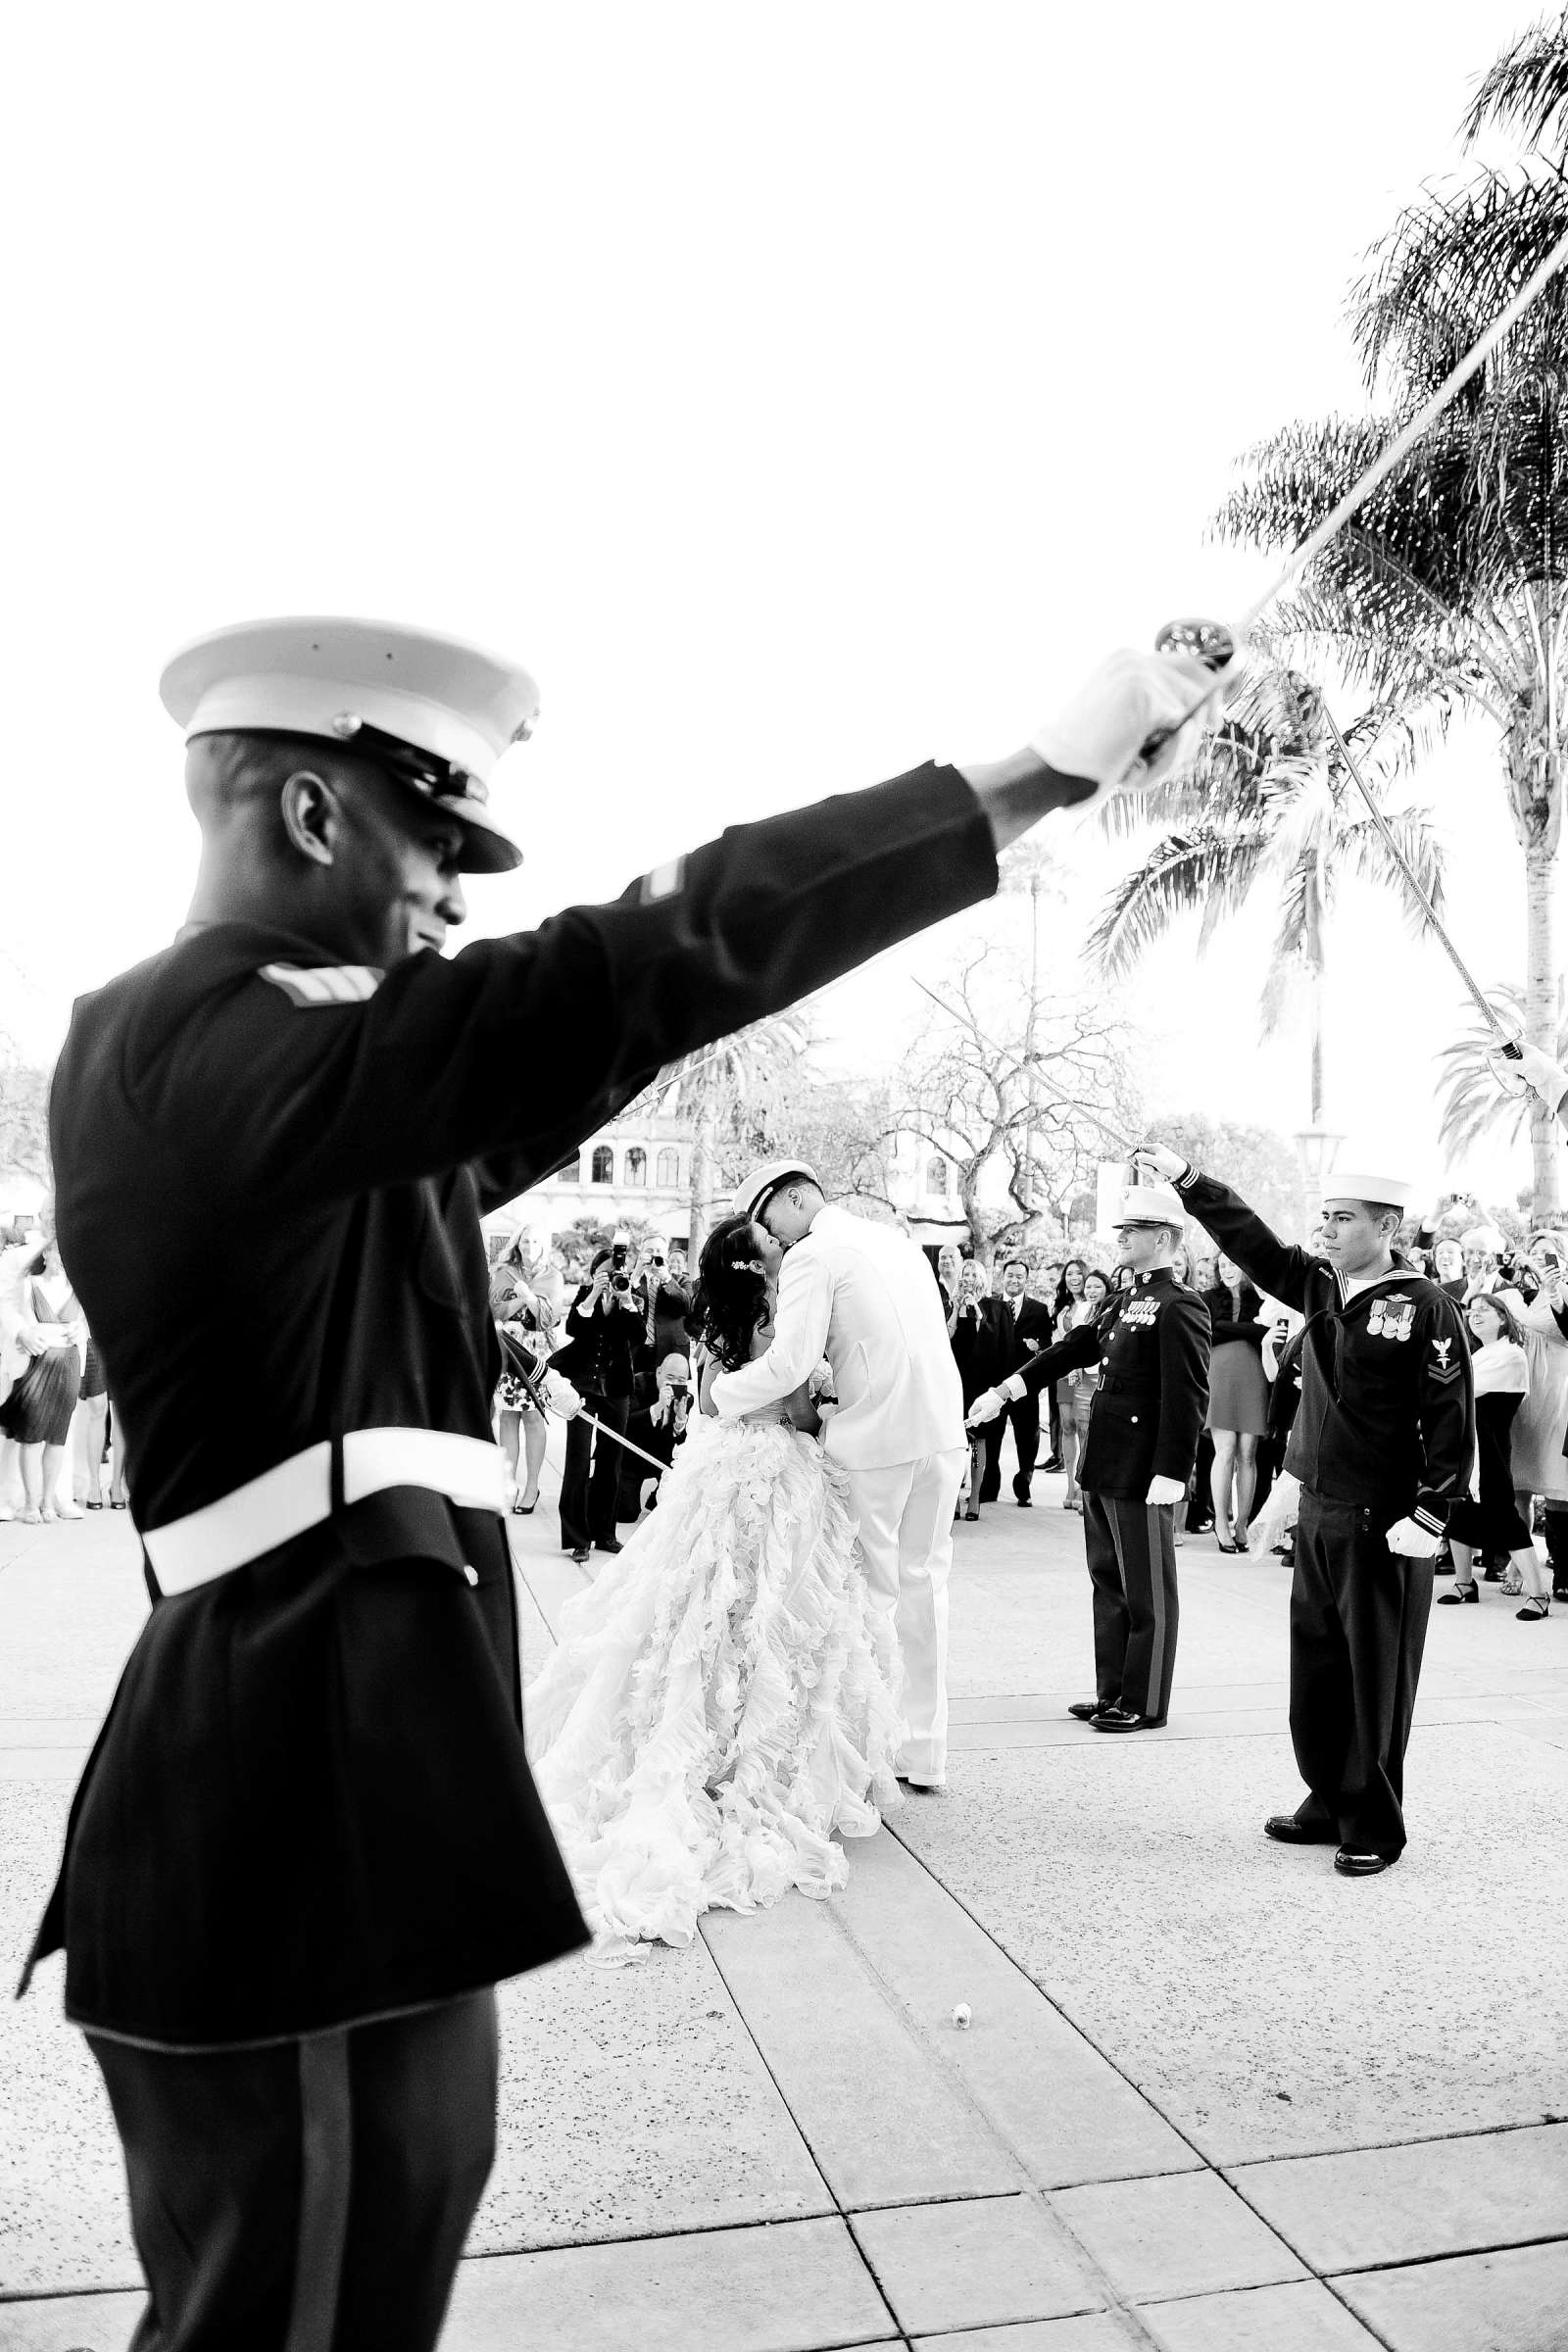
[(906, 1518)]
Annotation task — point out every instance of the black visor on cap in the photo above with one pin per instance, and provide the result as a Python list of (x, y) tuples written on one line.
[(486, 850)]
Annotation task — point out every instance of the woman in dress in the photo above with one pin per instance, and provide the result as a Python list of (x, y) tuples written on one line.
[(1075, 1391), (723, 1697), (972, 1332), (1536, 1440), (527, 1330), (1237, 1400), (37, 1415), (1492, 1520)]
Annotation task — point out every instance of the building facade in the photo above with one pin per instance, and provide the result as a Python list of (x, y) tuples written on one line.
[(641, 1169)]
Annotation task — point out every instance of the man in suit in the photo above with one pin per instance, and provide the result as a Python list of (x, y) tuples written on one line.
[(1151, 1342), (862, 1295), (1023, 1326)]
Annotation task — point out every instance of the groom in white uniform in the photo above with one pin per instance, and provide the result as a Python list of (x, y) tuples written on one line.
[(862, 1295)]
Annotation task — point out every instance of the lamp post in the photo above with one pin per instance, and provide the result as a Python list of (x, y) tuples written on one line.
[(1319, 1148)]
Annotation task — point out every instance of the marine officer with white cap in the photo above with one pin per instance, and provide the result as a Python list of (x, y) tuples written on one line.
[(1382, 1443), (307, 1843), (862, 1295), (1151, 1342)]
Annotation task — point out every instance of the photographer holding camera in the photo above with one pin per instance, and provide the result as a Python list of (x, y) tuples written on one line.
[(605, 1330)]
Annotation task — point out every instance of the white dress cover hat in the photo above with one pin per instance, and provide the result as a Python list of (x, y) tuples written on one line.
[(754, 1189), (435, 712), (1151, 1205), (1364, 1180)]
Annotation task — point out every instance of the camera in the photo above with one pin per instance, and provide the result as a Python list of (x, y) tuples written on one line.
[(619, 1255)]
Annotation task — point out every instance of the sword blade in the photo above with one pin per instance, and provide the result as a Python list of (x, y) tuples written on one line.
[(1353, 768)]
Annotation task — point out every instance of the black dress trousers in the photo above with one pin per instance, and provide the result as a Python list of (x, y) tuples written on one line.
[(1131, 1550), (307, 2196), (1024, 1417), (1358, 1625), (588, 1494)]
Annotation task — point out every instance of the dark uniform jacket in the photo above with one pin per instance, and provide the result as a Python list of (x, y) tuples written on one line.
[(1152, 1345), (310, 1802), (1387, 1416), (1285, 1395)]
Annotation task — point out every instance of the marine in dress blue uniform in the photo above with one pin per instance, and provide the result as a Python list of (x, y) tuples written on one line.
[(1151, 1342), (307, 1843), (1382, 1442)]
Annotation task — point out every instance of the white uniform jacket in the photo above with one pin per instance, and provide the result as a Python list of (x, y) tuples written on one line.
[(862, 1295)]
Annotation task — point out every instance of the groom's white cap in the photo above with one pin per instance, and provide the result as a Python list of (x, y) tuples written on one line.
[(751, 1194)]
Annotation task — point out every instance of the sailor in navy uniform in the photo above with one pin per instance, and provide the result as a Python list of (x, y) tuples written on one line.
[(1151, 1342), (307, 1843), (1382, 1442)]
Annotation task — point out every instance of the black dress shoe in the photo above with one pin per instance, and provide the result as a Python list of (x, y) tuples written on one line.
[(1025, 1502), (1356, 1862), (1286, 1830), (1085, 1709), (580, 1554), (609, 1544), (1124, 1719), (1052, 1461)]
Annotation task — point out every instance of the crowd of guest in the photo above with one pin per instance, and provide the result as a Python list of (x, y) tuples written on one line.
[(616, 1326)]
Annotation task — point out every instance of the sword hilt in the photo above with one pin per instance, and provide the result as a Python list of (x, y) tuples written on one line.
[(1208, 641)]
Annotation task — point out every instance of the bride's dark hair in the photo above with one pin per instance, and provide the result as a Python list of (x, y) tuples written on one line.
[(731, 1297)]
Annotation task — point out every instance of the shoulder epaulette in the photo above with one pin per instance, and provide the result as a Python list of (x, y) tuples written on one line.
[(324, 983)]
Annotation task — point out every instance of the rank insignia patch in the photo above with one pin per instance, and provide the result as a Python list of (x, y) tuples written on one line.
[(1446, 1364), (664, 882), (324, 983)]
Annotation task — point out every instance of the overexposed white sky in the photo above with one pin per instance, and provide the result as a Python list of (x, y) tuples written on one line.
[(799, 393)]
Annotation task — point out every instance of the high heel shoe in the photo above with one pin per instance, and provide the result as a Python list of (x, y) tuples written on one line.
[(1535, 1608), (1460, 1592)]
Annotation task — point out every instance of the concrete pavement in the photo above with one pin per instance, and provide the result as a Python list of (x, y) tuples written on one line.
[(1212, 2096)]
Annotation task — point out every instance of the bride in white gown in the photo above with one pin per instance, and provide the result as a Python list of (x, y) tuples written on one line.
[(722, 1698)]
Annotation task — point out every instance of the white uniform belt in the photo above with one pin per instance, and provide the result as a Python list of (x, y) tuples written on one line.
[(297, 1494)]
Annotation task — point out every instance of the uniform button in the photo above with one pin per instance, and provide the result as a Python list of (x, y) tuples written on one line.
[(472, 1574), (1133, 1416)]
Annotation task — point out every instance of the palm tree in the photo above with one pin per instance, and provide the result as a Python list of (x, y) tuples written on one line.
[(1449, 591), (1470, 1108), (1267, 801)]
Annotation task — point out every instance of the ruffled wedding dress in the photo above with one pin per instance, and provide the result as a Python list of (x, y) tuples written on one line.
[(722, 1698)]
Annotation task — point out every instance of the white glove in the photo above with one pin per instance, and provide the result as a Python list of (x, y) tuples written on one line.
[(985, 1407), (1103, 731), (561, 1397), (1158, 1160), (1164, 1490), (1533, 1069), (1412, 1541)]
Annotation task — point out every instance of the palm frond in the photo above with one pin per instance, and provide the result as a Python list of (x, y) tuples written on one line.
[(1446, 268), (1182, 876), (1527, 88), (1366, 854), (1475, 1107)]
